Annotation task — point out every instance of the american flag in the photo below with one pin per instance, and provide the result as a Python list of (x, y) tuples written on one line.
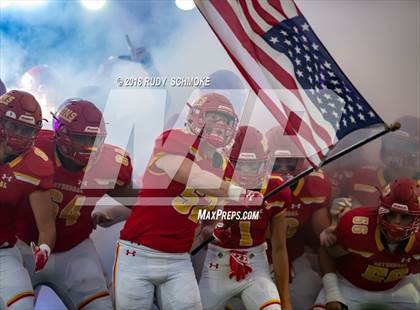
[(290, 70)]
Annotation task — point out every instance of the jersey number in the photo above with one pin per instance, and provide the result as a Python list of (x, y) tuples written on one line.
[(245, 230), (187, 203), (71, 212), (381, 274)]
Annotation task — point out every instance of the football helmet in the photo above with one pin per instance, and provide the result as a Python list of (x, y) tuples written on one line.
[(286, 157), (400, 196), (249, 156), (20, 120), (213, 118), (400, 150), (79, 130)]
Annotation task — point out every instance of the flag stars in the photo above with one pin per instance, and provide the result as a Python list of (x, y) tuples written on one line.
[(327, 96), (315, 46), (296, 39), (304, 39), (338, 90), (312, 91), (305, 47), (359, 106), (298, 61), (361, 116), (305, 27), (307, 57), (335, 114), (331, 74), (327, 65), (295, 29), (351, 109), (319, 100), (299, 73), (335, 82), (331, 105), (349, 98), (341, 100), (290, 53), (310, 79), (274, 40), (352, 119), (371, 114), (297, 49), (344, 122), (288, 42), (323, 111), (284, 33)]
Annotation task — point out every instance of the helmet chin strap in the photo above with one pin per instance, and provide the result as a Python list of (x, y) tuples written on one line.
[(68, 162)]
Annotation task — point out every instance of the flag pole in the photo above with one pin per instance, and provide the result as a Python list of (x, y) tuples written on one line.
[(296, 178)]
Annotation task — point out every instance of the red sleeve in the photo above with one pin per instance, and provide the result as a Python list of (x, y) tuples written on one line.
[(279, 202), (364, 185), (39, 166), (318, 187), (126, 170)]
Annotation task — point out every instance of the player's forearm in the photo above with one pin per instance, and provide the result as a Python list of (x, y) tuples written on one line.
[(47, 235), (125, 195), (326, 262), (44, 214), (186, 172), (281, 273)]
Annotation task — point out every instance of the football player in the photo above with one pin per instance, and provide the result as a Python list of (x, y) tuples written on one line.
[(185, 174), (310, 201), (25, 176), (400, 155), (236, 263), (86, 169), (376, 248)]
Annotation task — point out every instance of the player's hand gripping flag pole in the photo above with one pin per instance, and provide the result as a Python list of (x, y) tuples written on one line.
[(294, 76)]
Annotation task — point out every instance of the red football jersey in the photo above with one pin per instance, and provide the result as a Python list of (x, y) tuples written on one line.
[(166, 212), (75, 193), (311, 193), (246, 234), (29, 172), (365, 183), (369, 265)]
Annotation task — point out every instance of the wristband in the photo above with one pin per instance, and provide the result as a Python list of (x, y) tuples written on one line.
[(332, 289), (235, 192), (46, 248)]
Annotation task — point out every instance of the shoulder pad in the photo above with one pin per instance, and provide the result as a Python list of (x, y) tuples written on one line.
[(38, 164), (176, 141), (317, 184)]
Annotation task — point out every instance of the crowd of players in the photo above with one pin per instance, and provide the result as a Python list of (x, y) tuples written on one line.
[(363, 222)]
